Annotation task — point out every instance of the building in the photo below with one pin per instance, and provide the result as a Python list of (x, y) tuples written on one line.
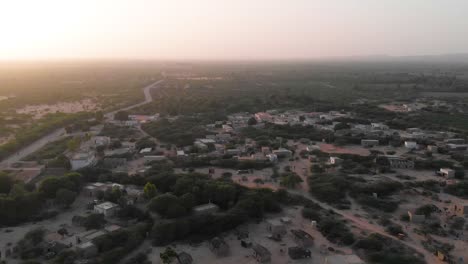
[(379, 126), (411, 145), (368, 143), (146, 150), (272, 158), (208, 208), (276, 228), (447, 173), (460, 210), (397, 162), (154, 158), (456, 141), (416, 218), (335, 160), (433, 148), (87, 249), (261, 254), (344, 259), (282, 153), (108, 209), (101, 141), (302, 238), (82, 160), (219, 247), (299, 253)]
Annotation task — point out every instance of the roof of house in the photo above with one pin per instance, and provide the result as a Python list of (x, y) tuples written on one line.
[(261, 250), (107, 205)]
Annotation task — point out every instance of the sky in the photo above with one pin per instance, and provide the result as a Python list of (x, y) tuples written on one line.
[(230, 29)]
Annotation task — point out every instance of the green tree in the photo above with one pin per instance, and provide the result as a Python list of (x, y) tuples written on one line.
[(6, 183), (65, 197), (121, 116), (290, 180), (150, 190), (252, 121), (168, 255)]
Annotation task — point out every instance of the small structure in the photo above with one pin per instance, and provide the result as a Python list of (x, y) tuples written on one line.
[(276, 228), (335, 160), (184, 258), (82, 160), (282, 153), (433, 148), (302, 238), (107, 209), (447, 173), (397, 162), (344, 259), (146, 150), (368, 143), (87, 250), (299, 253), (208, 208), (261, 254), (154, 158), (112, 228), (411, 145), (219, 247), (461, 210), (416, 218)]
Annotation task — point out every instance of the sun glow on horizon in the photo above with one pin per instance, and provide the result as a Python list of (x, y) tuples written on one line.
[(187, 29)]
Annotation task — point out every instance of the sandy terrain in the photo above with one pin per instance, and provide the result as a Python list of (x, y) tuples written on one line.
[(38, 111)]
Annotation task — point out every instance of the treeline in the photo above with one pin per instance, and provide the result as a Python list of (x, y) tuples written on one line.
[(39, 129), (21, 202)]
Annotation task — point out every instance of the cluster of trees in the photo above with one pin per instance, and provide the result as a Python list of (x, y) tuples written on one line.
[(250, 204), (181, 132), (383, 250), (63, 189), (272, 131), (18, 202)]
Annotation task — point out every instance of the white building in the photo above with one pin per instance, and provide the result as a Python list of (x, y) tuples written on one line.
[(447, 173), (335, 160), (411, 145), (82, 160), (282, 153), (107, 209)]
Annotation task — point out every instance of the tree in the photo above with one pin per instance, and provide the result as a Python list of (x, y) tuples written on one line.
[(290, 180), (167, 205), (187, 201), (73, 144), (121, 116), (6, 182), (150, 190), (252, 121), (168, 255), (65, 197)]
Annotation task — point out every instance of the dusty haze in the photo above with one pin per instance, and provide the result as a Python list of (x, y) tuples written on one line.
[(241, 29)]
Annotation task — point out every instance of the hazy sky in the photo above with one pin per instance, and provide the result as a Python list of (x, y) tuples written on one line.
[(230, 29)]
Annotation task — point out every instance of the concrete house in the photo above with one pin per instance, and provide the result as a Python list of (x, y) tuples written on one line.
[(447, 173), (411, 145), (108, 209), (368, 143), (82, 160), (282, 153), (261, 254), (460, 210), (335, 160), (276, 228), (208, 208), (416, 218), (302, 238), (87, 250)]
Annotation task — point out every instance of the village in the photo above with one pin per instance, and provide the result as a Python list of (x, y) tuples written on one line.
[(421, 162)]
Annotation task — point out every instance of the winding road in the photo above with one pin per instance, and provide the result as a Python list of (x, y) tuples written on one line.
[(61, 133)]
